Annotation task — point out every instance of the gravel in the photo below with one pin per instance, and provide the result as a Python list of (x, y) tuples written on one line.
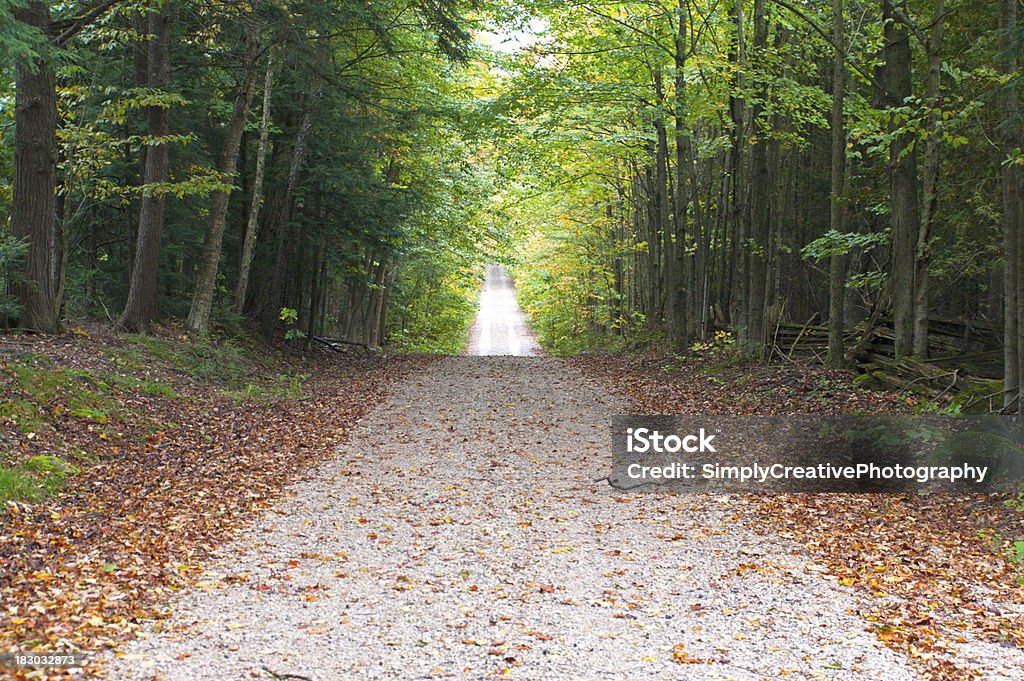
[(460, 533), (500, 327)]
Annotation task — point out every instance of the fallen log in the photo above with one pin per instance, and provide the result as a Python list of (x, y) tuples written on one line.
[(341, 345)]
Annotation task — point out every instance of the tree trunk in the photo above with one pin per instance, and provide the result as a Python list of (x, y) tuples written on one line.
[(930, 203), (678, 307), (252, 226), (1013, 215), (760, 209), (198, 321), (738, 261), (670, 264), (33, 216), (837, 209), (903, 177), (382, 317), (375, 311), (317, 289), (143, 307)]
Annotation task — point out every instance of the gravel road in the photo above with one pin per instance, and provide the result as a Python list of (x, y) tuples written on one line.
[(460, 534), (500, 327)]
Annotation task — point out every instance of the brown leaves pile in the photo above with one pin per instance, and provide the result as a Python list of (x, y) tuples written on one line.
[(931, 569), (168, 480)]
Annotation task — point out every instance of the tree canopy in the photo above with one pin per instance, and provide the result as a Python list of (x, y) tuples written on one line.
[(660, 171)]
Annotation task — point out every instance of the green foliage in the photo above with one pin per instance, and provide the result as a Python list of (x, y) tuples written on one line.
[(937, 409), (12, 254), (48, 464), (433, 308), (1017, 552), (290, 317), (18, 485), (1016, 500), (566, 290), (720, 351), (24, 415), (221, 362), (34, 478), (81, 391), (834, 243), (980, 398), (285, 386), (18, 42)]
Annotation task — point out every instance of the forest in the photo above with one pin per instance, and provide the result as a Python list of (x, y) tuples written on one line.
[(684, 174), (738, 209)]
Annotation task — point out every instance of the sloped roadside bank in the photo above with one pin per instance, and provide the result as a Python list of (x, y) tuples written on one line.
[(177, 449), (939, 584)]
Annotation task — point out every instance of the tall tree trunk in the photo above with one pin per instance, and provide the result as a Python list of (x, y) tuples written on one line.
[(837, 209), (317, 289), (678, 308), (1013, 217), (33, 216), (382, 313), (738, 260), (143, 307), (140, 63), (903, 176), (670, 263), (198, 321), (252, 225), (760, 208), (932, 159)]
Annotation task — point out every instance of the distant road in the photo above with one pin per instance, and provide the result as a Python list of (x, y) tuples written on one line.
[(500, 327)]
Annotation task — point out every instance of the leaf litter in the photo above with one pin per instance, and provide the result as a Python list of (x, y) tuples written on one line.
[(162, 480)]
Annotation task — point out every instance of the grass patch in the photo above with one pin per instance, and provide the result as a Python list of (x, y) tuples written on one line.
[(223, 363), (155, 347), (34, 479), (94, 415), (149, 387), (287, 386), (18, 485), (24, 415), (79, 390)]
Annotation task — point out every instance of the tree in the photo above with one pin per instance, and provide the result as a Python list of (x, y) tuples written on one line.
[(252, 222), (1012, 184), (760, 185), (206, 280), (930, 176), (143, 305), (33, 215), (837, 209), (903, 186)]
